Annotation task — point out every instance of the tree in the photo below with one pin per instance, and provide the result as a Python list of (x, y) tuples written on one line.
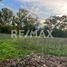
[(5, 20), (57, 25), (5, 15), (57, 22), (24, 20)]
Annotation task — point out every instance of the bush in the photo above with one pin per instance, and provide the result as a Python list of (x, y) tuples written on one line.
[(59, 33), (6, 28)]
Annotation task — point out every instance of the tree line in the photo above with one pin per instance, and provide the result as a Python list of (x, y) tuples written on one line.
[(22, 20)]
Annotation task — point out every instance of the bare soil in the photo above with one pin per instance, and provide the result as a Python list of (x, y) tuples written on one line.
[(35, 60)]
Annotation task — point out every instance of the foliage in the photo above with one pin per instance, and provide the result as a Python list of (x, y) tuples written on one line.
[(20, 47), (25, 21)]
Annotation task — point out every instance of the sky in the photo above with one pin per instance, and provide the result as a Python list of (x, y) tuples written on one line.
[(41, 8)]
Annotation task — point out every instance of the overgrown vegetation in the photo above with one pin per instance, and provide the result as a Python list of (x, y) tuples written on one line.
[(20, 47)]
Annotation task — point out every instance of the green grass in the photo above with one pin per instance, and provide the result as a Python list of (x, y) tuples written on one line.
[(20, 47)]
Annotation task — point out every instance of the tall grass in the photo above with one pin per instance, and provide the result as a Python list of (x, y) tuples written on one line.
[(20, 47)]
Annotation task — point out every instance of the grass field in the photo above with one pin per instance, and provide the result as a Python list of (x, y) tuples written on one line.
[(20, 47)]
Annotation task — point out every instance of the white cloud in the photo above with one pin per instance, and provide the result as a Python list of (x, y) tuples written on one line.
[(46, 7), (54, 5), (27, 0)]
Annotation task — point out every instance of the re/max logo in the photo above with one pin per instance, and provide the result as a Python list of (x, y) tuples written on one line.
[(15, 34)]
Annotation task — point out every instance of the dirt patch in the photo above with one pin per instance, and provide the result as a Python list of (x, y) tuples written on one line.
[(36, 61)]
